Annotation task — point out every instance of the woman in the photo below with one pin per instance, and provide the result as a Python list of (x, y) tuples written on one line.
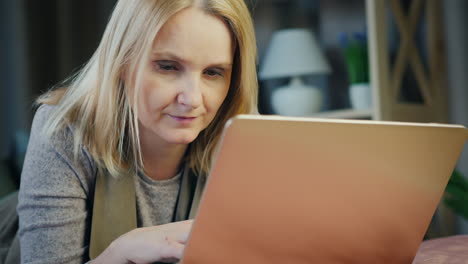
[(149, 106)]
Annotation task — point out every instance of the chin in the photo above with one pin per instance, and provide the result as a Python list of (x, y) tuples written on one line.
[(182, 139)]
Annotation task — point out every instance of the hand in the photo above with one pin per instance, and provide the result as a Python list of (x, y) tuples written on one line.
[(164, 243)]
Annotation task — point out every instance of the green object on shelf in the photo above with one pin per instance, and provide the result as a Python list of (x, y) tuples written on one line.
[(356, 56), (457, 194)]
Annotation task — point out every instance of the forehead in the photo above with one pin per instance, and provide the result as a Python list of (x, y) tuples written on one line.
[(193, 33)]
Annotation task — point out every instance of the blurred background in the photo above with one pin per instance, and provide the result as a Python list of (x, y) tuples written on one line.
[(358, 41)]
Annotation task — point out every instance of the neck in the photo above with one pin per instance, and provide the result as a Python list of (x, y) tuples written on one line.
[(163, 164), (161, 160)]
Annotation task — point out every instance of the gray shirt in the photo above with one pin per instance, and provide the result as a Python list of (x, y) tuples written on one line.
[(55, 198)]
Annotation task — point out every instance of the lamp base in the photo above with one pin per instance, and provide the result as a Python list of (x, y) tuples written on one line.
[(296, 99), (360, 95)]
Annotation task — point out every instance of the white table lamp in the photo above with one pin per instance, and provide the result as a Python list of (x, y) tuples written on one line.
[(294, 53)]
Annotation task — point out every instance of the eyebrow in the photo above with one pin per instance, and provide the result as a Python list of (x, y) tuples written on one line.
[(171, 56), (168, 55)]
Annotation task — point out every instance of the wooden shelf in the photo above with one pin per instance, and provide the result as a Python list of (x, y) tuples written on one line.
[(346, 114)]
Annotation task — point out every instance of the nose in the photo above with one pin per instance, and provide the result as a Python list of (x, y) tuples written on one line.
[(190, 94)]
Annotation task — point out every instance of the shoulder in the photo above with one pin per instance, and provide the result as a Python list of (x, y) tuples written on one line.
[(43, 112), (61, 138), (60, 141), (57, 150)]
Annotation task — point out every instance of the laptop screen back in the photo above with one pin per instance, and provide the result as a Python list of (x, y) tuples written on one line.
[(299, 190)]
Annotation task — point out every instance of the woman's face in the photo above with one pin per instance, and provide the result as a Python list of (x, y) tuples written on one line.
[(186, 78)]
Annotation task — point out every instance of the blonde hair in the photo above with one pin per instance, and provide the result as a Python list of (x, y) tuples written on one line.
[(95, 99)]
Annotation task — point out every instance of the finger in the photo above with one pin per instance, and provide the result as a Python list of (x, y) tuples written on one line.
[(183, 237), (183, 233), (174, 249)]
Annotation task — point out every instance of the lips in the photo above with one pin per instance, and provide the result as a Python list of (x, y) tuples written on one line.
[(183, 119)]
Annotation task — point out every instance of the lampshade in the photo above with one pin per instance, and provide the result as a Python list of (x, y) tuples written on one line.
[(293, 52)]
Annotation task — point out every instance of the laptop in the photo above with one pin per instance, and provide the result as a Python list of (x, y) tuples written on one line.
[(308, 190)]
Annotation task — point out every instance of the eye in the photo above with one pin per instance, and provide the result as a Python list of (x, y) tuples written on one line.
[(167, 66), (214, 72)]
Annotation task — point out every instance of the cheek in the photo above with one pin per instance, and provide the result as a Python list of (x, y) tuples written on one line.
[(148, 102), (151, 96), (214, 104), (222, 98), (143, 93), (138, 91), (218, 97)]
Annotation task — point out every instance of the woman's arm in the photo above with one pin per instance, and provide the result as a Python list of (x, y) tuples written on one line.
[(55, 209), (54, 198)]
